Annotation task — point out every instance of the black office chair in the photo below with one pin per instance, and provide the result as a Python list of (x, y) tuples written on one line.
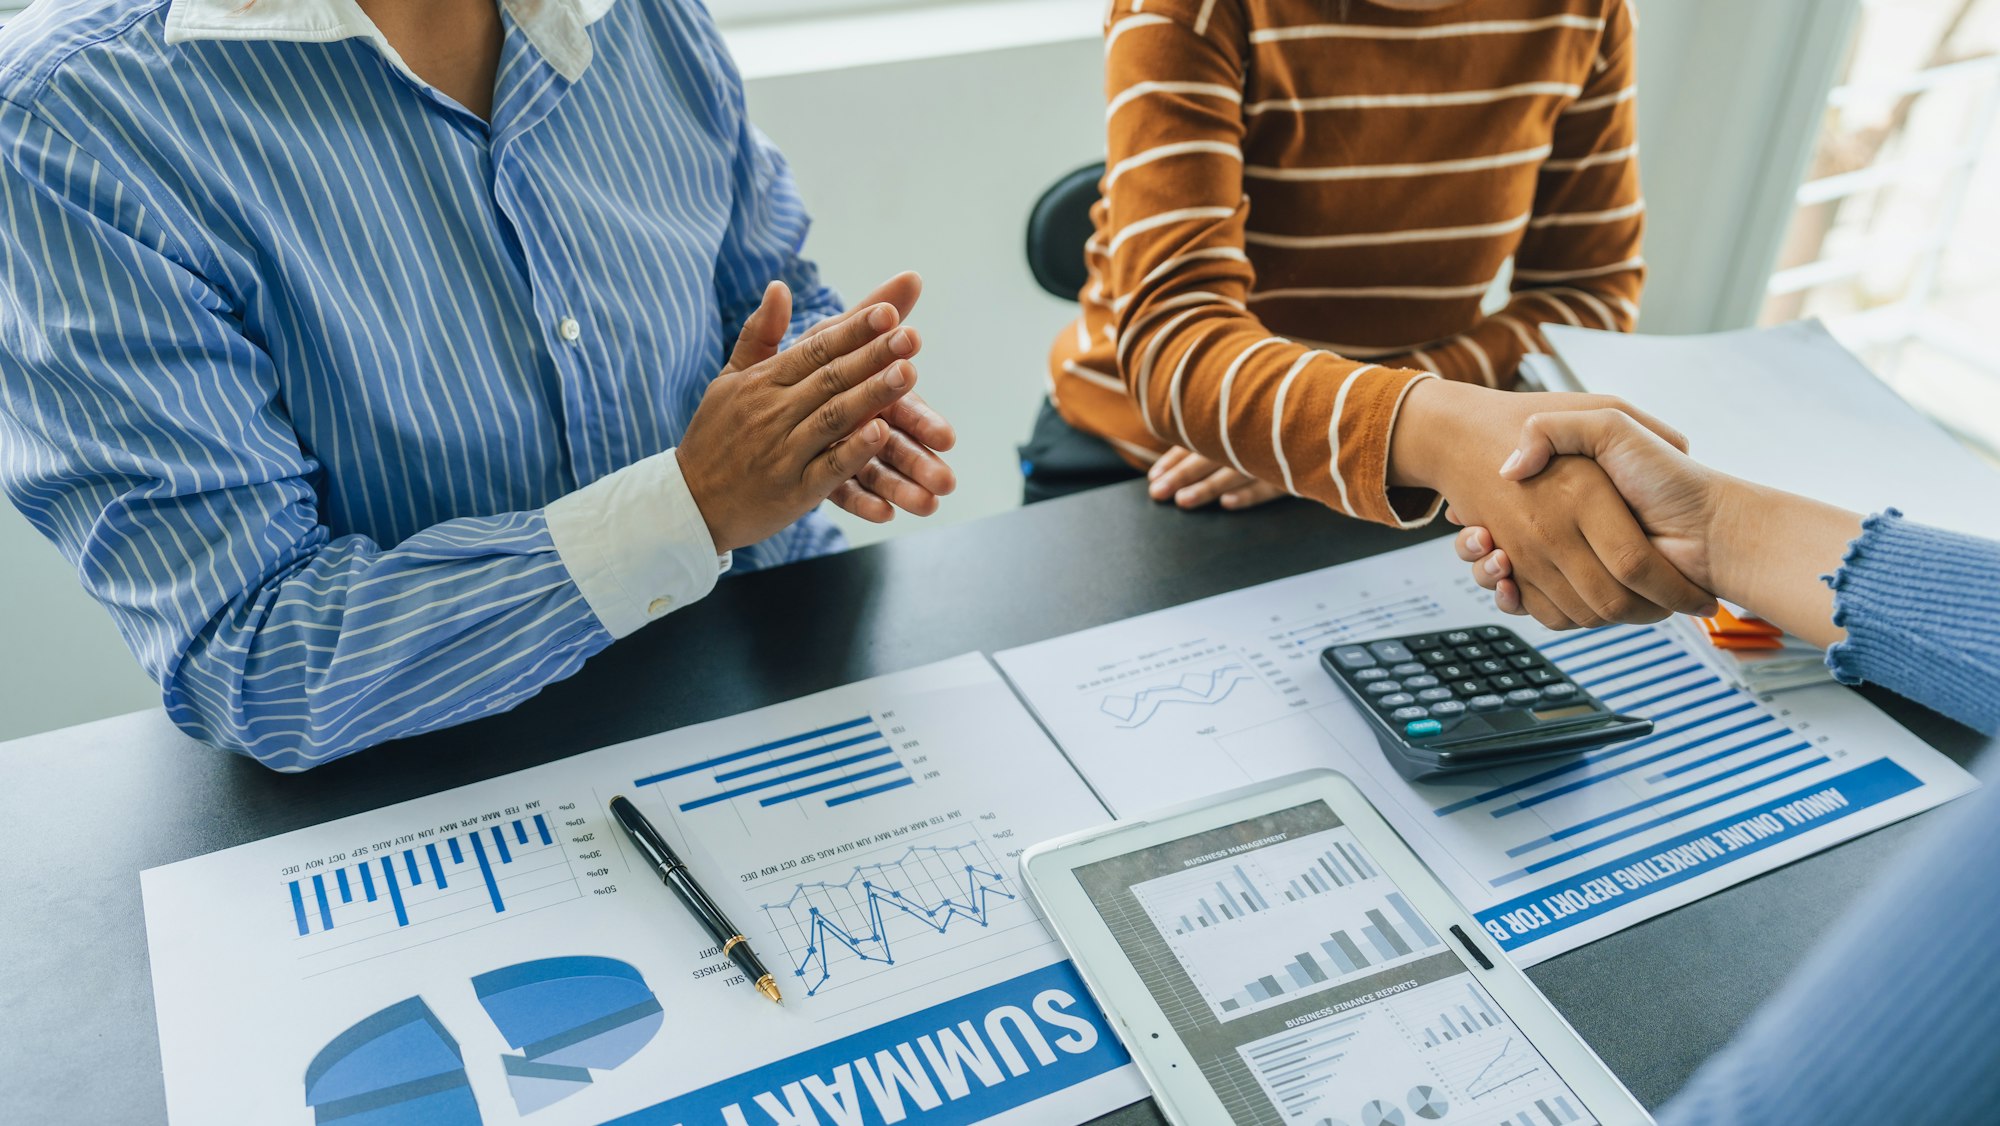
[(1057, 229), (1058, 459)]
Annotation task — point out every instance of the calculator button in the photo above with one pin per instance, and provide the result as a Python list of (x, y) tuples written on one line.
[(1504, 647), (1474, 652), (1524, 661), (1395, 700), (1408, 668), (1490, 666), (1447, 708), (1437, 656), (1410, 713), (1540, 676), (1559, 691), (1391, 651), (1420, 682), (1418, 728), (1524, 695), (1458, 637), (1506, 682), (1486, 703), (1383, 687), (1353, 657), (1453, 672), (1427, 641), (1433, 695), (1468, 687), (1492, 633), (1376, 673)]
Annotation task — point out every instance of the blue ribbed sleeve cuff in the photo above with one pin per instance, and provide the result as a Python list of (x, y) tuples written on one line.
[(1921, 608)]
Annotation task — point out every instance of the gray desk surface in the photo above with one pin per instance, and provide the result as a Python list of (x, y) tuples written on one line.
[(89, 807)]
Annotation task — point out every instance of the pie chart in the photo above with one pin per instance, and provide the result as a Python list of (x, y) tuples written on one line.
[(1428, 1102), (1379, 1113), (393, 1067), (568, 1016)]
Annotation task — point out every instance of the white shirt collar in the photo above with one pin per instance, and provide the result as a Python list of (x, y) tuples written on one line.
[(555, 26)]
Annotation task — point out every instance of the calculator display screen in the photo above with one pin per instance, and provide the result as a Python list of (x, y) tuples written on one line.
[(1571, 712), (1311, 990)]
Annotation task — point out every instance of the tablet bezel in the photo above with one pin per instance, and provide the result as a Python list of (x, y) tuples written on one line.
[(1048, 870)]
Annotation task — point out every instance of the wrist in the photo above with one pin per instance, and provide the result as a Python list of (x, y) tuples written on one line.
[(1430, 426), (707, 502)]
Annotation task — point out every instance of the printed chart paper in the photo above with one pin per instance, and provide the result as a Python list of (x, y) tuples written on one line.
[(500, 954), (1193, 700)]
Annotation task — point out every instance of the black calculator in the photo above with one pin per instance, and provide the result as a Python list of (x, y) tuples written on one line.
[(1466, 699)]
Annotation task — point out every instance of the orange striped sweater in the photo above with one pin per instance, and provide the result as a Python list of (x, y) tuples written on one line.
[(1304, 202)]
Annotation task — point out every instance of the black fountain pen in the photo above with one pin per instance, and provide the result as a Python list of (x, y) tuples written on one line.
[(675, 875)]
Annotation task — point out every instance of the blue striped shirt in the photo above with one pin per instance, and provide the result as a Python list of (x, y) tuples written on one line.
[(299, 358)]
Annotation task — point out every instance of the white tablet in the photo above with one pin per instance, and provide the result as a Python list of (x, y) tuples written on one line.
[(1278, 956)]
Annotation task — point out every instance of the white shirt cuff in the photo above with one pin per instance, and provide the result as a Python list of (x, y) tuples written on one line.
[(635, 544)]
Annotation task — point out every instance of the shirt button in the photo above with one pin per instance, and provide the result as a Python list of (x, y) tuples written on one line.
[(569, 329), (660, 606)]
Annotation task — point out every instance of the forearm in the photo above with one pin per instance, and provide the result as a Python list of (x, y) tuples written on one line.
[(346, 644), (1769, 551), (349, 645)]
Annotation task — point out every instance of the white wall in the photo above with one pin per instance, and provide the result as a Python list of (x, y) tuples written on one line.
[(974, 139)]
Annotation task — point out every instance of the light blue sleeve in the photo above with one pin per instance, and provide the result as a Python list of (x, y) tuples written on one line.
[(1895, 1017), (1921, 607), (142, 432)]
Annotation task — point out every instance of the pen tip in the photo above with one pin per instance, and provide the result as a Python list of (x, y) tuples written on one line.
[(769, 988)]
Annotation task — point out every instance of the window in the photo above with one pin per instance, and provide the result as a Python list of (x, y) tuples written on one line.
[(1895, 242)]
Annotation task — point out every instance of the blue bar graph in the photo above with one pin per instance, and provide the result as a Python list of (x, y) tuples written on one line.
[(761, 748), (1711, 744), (824, 765), (870, 792), (486, 873), (325, 911), (835, 785), (401, 884), (395, 893)]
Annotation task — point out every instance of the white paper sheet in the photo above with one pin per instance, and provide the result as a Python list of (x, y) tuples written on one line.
[(1189, 701), (895, 808), (1789, 407)]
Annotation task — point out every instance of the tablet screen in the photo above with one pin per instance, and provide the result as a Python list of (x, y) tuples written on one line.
[(1310, 991)]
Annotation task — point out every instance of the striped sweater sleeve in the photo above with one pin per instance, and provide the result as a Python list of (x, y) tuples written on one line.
[(1578, 262), (146, 434), (1203, 371)]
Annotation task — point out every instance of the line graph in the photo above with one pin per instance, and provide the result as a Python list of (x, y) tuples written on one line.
[(1138, 708), (922, 891)]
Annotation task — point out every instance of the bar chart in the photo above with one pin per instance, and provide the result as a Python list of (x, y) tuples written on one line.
[(1712, 746), (827, 767), (420, 886), (1235, 924)]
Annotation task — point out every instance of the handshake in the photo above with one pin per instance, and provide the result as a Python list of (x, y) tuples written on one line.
[(1579, 510)]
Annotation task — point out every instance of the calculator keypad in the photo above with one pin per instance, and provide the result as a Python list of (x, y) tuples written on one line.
[(1447, 676)]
